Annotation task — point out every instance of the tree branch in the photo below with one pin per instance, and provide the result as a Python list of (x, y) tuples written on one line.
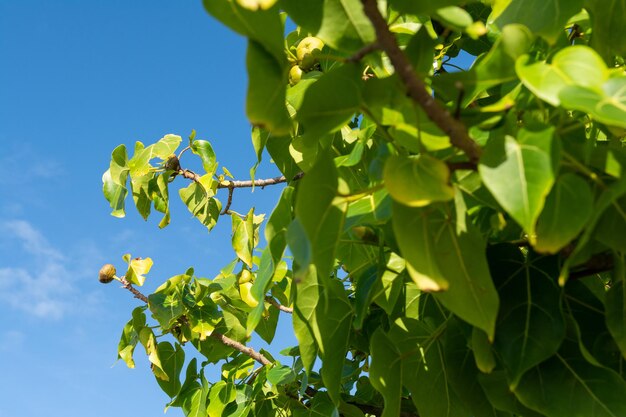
[(215, 334), (127, 285), (190, 175), (416, 88), (279, 305), (361, 53)]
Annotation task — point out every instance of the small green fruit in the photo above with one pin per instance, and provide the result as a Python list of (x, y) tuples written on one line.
[(246, 295), (107, 274), (308, 51), (295, 75), (245, 276)]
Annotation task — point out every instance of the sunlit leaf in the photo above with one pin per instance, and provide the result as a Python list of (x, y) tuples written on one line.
[(546, 18), (419, 181), (520, 173)]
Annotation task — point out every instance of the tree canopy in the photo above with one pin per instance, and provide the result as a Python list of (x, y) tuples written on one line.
[(449, 242)]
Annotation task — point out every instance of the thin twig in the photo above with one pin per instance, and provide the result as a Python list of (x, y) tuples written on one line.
[(279, 305), (229, 201), (215, 334), (257, 183), (180, 154), (416, 88), (361, 53)]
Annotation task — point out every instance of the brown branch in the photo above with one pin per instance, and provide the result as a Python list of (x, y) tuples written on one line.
[(361, 53), (279, 305), (257, 183), (215, 334), (127, 285), (416, 88), (598, 263), (462, 165), (241, 348)]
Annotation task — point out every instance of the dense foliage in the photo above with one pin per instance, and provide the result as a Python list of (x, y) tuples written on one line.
[(456, 238)]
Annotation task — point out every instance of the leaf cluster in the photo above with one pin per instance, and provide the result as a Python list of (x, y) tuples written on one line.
[(433, 271)]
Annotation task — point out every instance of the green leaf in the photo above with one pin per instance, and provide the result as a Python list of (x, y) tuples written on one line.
[(496, 388), (424, 371), (417, 181), (483, 351), (530, 324), (261, 26), (412, 228), (114, 181), (204, 150), (341, 24), (520, 173), (321, 406), (385, 371), (148, 340), (280, 375), (204, 319), (260, 287), (321, 214), (462, 373), (166, 308), (266, 328), (128, 342), (159, 194), (546, 18), (172, 361), (616, 314), (611, 228), (267, 87), (422, 7), (221, 394), (204, 208), (586, 309), (608, 197), (454, 17), (259, 139), (139, 164), (572, 66), (494, 68), (568, 208), (609, 32), (331, 101), (567, 385), (243, 237), (441, 257), (141, 195), (323, 314), (607, 105), (137, 268)]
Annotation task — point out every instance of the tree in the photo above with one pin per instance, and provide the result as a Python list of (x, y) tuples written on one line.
[(456, 239)]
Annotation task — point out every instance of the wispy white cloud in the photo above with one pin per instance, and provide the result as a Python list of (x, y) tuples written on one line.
[(46, 285)]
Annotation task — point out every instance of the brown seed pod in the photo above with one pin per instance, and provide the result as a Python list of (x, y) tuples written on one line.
[(172, 163), (107, 274)]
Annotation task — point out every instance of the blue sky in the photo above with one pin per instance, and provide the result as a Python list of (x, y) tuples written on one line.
[(77, 78)]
